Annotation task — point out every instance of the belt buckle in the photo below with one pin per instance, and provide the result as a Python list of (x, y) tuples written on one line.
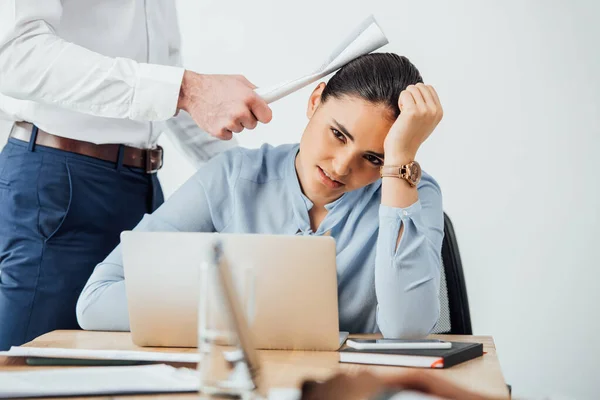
[(154, 154)]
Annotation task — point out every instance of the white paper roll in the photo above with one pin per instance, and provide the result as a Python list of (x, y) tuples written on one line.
[(363, 39)]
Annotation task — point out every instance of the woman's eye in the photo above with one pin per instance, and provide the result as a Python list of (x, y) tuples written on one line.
[(338, 134), (373, 160)]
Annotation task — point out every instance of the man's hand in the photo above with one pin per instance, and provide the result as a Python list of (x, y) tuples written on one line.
[(343, 386), (364, 385), (222, 104), (429, 382)]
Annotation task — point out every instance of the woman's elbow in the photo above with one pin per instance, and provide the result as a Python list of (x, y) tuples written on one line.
[(412, 329), (82, 311), (416, 319)]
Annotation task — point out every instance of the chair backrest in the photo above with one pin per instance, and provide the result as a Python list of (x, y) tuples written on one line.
[(455, 317)]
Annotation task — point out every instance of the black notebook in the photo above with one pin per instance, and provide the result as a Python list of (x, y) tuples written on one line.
[(427, 358)]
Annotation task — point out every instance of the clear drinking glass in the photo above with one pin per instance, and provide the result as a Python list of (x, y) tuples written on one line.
[(222, 369)]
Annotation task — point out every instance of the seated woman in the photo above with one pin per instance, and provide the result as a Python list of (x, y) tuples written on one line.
[(375, 112)]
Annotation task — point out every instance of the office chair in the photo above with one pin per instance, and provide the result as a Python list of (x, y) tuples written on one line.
[(455, 317)]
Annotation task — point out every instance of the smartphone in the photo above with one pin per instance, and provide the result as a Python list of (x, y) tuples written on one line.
[(397, 344)]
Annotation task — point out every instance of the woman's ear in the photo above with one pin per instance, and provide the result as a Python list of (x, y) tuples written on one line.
[(314, 100)]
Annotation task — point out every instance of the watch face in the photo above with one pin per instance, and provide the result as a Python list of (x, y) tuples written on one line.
[(415, 172)]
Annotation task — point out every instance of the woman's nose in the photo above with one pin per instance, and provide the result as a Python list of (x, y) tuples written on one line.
[(342, 164)]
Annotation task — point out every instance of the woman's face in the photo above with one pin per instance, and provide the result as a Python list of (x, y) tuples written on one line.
[(342, 146)]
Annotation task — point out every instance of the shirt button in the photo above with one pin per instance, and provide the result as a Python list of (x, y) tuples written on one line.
[(405, 213)]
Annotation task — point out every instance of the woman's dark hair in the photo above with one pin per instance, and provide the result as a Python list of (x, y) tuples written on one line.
[(377, 78)]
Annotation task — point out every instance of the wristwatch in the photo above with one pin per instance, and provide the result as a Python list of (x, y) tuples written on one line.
[(410, 172)]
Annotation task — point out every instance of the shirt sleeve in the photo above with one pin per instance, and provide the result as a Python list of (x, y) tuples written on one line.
[(407, 277), (37, 65), (194, 143), (199, 205)]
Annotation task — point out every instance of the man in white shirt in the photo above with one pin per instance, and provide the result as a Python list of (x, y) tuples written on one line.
[(87, 87)]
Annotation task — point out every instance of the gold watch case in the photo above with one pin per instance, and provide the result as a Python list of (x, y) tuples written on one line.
[(410, 172)]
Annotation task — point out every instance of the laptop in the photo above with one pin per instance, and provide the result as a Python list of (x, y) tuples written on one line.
[(295, 303)]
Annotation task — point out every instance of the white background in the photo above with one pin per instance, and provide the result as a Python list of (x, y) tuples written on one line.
[(516, 154)]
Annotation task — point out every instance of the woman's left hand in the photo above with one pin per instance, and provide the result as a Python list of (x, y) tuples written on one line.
[(420, 112)]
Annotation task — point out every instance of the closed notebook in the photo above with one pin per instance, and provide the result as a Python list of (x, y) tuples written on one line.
[(426, 358)]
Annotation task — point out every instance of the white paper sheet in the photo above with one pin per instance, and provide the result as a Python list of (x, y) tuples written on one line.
[(365, 38), (126, 355), (98, 380), (85, 381)]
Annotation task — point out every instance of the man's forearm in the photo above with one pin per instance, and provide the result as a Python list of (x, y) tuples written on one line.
[(38, 65)]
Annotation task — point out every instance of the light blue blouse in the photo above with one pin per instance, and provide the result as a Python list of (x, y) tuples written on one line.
[(380, 287)]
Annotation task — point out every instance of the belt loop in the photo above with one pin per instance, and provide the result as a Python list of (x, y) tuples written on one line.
[(33, 138), (120, 157)]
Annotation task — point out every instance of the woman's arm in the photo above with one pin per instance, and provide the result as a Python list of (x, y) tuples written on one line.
[(407, 271), (200, 205)]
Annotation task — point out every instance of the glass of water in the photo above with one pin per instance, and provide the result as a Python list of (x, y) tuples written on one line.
[(222, 368)]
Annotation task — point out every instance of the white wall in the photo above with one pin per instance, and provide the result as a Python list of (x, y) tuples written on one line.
[(514, 154)]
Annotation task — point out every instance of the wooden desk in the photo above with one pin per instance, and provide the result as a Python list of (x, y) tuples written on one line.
[(285, 368)]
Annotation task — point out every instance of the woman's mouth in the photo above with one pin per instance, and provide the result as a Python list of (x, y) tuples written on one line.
[(328, 181)]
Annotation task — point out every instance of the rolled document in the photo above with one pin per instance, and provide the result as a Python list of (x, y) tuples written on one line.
[(365, 38)]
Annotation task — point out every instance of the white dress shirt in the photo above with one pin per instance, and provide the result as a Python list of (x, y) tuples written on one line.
[(102, 71)]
